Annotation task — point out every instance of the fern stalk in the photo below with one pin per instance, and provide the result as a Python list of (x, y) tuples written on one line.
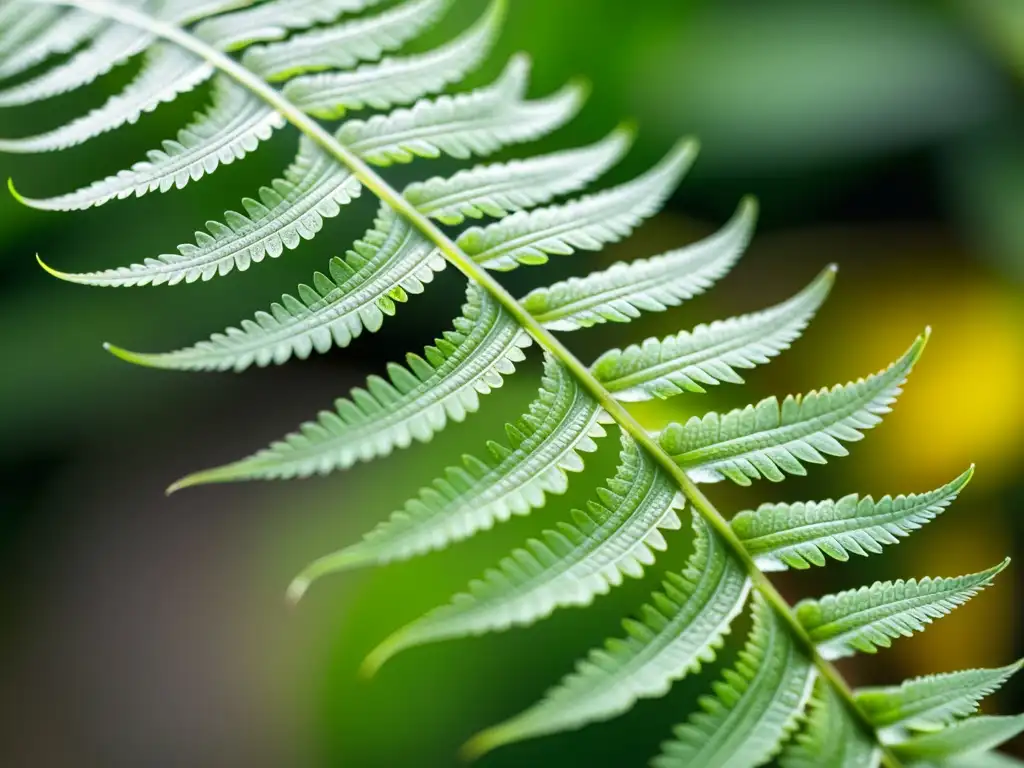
[(478, 275)]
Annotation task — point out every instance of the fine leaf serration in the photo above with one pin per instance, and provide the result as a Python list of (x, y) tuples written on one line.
[(277, 65)]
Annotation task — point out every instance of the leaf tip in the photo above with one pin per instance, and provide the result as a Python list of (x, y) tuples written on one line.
[(297, 589), (480, 744), (15, 193), (51, 271)]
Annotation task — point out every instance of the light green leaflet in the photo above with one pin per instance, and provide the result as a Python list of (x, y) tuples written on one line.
[(547, 441), (273, 20), (620, 293), (112, 46), (389, 263), (831, 737), (62, 36), (445, 383), (344, 45), (673, 635), (565, 567), (530, 237), (588, 223), (770, 441), (463, 125), (316, 186), (500, 188), (167, 73), (799, 535), (976, 734), (872, 617), (754, 706), (330, 95), (709, 354), (232, 126), (931, 702)]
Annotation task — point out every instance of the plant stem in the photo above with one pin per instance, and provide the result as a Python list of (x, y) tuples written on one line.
[(369, 178)]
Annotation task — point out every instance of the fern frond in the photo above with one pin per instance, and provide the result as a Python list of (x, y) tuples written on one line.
[(547, 441), (343, 45), (770, 441), (780, 536), (394, 81), (709, 354), (501, 188), (291, 210), (112, 46), (61, 36), (231, 127), (588, 223), (445, 383), (755, 705), (675, 633), (619, 293), (475, 123), (273, 20), (565, 567), (831, 737), (391, 261), (167, 73), (975, 734), (870, 618), (930, 702)]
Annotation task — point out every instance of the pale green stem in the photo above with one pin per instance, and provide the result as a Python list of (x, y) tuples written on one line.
[(387, 194)]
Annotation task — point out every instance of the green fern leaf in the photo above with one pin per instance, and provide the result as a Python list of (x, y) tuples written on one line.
[(391, 261), (566, 567), (709, 354), (114, 45), (501, 188), (476, 123), (398, 80), (931, 702), (675, 633), (546, 444), (341, 46), (588, 223), (754, 707), (167, 73), (619, 293), (768, 441), (780, 536), (273, 20), (232, 127), (417, 402), (831, 737), (62, 36), (975, 734), (870, 618)]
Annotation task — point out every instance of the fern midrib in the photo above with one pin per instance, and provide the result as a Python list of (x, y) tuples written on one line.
[(544, 338)]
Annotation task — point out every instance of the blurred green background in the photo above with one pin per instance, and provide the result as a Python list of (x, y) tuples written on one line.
[(886, 136)]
